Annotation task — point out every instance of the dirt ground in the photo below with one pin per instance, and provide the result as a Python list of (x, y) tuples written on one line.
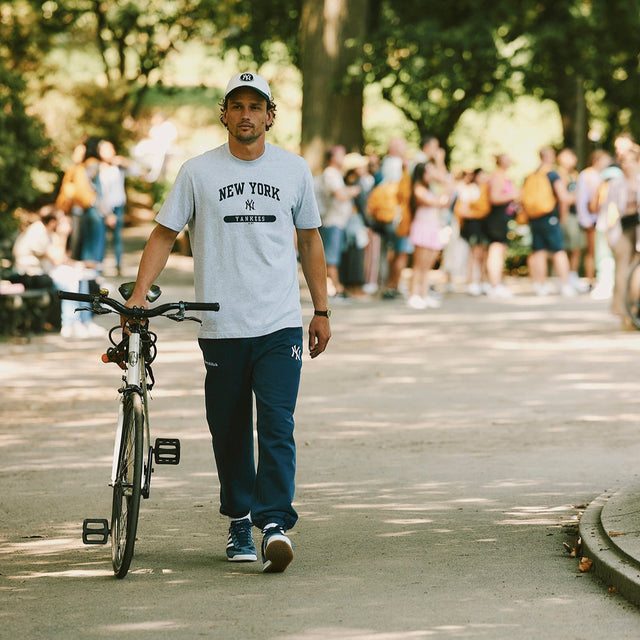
[(443, 458)]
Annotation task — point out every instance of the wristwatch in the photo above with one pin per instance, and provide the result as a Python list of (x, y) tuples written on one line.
[(324, 314)]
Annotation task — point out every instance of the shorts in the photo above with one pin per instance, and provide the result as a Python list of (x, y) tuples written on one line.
[(574, 237), (398, 244), (402, 244), (546, 233), (496, 225), (333, 241), (472, 231)]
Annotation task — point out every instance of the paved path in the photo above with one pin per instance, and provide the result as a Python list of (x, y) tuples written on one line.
[(444, 458)]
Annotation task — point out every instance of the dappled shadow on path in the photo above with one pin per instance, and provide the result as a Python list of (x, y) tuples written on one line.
[(440, 457)]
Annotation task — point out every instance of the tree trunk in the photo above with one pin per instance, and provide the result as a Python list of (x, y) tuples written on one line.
[(573, 111), (331, 36)]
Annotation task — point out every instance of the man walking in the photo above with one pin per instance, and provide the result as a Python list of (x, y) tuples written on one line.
[(241, 202)]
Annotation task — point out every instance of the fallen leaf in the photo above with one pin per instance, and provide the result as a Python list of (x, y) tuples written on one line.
[(613, 590), (575, 550), (585, 564)]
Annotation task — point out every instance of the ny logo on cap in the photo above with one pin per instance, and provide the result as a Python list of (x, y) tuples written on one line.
[(246, 77)]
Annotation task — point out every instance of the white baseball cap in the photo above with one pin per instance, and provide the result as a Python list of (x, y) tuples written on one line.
[(251, 81)]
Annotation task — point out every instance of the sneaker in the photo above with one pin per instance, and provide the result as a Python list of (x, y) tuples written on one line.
[(391, 294), (277, 551), (542, 289), (577, 284), (240, 547), (567, 291), (432, 302), (500, 291), (417, 302), (474, 289)]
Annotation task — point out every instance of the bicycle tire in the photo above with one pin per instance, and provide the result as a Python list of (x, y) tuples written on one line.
[(127, 487), (632, 294)]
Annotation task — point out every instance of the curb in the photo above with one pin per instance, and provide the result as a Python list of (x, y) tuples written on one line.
[(612, 565)]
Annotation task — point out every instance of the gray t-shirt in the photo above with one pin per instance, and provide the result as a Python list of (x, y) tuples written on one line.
[(241, 217)]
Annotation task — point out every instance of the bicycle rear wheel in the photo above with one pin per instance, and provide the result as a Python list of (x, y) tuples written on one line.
[(632, 294), (127, 487)]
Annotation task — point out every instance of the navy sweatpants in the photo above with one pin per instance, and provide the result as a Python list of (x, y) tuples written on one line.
[(237, 369)]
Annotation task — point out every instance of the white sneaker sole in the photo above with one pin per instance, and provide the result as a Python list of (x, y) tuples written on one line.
[(278, 554), (243, 557)]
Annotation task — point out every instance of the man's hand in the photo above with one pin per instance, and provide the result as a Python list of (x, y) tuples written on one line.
[(133, 301), (319, 334)]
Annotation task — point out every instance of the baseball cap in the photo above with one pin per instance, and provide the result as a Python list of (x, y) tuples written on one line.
[(250, 81)]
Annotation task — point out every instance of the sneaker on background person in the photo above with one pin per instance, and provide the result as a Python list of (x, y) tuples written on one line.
[(567, 291), (417, 302), (474, 289), (277, 550), (500, 291)]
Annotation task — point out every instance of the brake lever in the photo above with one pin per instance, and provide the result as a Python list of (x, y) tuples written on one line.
[(98, 310), (180, 317)]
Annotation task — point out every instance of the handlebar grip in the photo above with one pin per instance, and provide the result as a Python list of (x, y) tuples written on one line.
[(202, 306), (78, 297)]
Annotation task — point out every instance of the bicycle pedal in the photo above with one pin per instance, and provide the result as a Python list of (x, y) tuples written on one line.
[(166, 451), (95, 531)]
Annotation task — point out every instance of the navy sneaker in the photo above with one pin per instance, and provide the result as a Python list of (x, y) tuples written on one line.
[(277, 551), (240, 547)]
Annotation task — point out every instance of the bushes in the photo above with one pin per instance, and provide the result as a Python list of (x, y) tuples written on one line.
[(24, 148)]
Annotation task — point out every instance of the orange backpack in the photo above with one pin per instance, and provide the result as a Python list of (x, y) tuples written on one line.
[(382, 204), (538, 197), (75, 190), (474, 209)]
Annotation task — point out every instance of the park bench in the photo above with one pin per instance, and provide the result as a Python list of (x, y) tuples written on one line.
[(24, 309)]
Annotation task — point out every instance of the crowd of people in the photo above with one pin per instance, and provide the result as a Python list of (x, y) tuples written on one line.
[(380, 215), (65, 246)]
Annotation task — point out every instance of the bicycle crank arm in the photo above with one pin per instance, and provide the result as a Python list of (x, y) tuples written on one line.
[(148, 470)]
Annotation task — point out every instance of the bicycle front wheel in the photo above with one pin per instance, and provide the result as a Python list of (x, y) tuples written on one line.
[(127, 487), (632, 294)]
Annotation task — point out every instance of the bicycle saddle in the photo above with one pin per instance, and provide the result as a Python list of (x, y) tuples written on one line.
[(126, 289)]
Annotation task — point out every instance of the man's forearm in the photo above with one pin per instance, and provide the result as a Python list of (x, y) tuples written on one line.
[(313, 266)]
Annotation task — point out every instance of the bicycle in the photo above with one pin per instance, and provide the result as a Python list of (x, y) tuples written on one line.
[(131, 473), (632, 294)]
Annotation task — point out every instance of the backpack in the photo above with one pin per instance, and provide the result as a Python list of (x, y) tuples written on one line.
[(538, 197), (383, 205), (75, 189), (474, 209)]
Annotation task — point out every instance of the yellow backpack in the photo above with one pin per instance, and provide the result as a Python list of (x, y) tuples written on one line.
[(538, 197), (382, 204)]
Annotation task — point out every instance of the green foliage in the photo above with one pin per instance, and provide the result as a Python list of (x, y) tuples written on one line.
[(436, 62), (569, 47), (23, 150)]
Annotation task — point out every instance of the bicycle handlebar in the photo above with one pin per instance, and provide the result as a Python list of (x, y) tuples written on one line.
[(137, 313)]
